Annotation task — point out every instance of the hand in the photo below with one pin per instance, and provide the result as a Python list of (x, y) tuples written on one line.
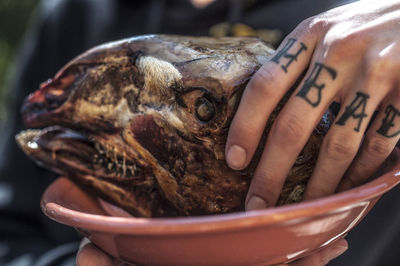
[(323, 256), (351, 55), (89, 255)]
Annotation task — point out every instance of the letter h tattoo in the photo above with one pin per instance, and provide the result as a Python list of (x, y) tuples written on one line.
[(284, 53)]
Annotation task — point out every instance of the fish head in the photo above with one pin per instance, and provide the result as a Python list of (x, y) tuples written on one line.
[(142, 122)]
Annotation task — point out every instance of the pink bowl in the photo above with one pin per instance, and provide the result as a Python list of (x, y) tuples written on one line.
[(270, 236)]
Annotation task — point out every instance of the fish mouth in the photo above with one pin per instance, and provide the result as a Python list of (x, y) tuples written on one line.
[(67, 151), (107, 171), (98, 169)]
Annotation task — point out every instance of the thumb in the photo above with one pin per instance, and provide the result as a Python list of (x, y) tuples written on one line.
[(324, 256), (90, 255)]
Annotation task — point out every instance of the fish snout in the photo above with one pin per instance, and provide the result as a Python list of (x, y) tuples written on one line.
[(50, 96)]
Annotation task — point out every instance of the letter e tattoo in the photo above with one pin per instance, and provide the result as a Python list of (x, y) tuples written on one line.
[(284, 53), (310, 83), (387, 122), (359, 102)]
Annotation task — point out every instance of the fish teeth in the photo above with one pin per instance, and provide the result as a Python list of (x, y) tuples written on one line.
[(108, 157), (132, 170), (115, 154), (123, 163)]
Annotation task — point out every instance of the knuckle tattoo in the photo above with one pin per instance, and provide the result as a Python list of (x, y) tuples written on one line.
[(285, 58), (355, 110), (312, 83), (388, 128)]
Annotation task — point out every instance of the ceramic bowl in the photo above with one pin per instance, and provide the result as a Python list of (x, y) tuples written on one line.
[(262, 237)]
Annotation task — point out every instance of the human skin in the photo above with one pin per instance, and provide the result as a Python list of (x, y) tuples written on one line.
[(350, 55)]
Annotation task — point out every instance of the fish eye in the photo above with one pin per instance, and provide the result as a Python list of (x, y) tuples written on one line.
[(205, 109)]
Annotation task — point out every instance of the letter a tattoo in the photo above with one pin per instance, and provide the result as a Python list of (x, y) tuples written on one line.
[(359, 102), (284, 53), (387, 123), (310, 83)]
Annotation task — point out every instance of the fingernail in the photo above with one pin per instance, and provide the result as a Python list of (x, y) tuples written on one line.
[(236, 157), (336, 252), (339, 250), (256, 203)]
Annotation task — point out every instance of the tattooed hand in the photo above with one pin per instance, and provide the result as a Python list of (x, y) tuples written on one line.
[(351, 55)]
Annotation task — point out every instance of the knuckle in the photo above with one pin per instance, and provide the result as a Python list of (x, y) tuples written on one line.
[(345, 184), (317, 25), (376, 66), (339, 147), (353, 39), (248, 128), (355, 178), (380, 69), (265, 76), (263, 81), (387, 57), (341, 45), (311, 29), (358, 173), (317, 190), (288, 128), (266, 187), (394, 95), (377, 146), (304, 26)]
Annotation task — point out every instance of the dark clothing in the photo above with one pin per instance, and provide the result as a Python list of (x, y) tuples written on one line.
[(64, 28)]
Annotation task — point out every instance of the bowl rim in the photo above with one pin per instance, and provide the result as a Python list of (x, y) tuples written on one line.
[(218, 223)]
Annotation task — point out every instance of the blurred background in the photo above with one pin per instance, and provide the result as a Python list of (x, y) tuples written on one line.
[(14, 18)]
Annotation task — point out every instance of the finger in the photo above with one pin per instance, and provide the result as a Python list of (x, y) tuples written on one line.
[(90, 255), (262, 94), (291, 131), (325, 255), (343, 140), (384, 133), (379, 142)]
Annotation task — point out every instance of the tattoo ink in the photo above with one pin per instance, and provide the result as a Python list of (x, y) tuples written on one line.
[(284, 53), (311, 82), (358, 104), (387, 122)]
